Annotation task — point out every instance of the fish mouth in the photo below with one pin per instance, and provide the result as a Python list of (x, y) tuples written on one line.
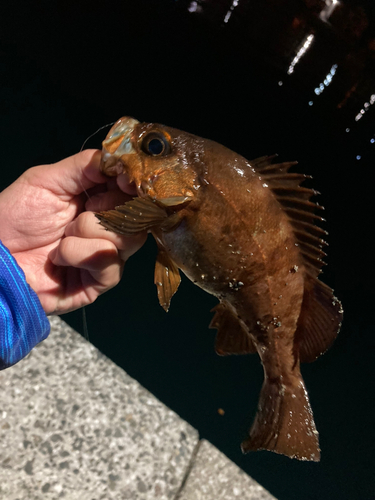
[(117, 146)]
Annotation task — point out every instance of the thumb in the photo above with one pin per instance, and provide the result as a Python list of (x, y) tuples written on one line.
[(71, 176)]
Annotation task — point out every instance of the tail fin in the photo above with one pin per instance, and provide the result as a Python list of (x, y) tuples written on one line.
[(284, 422)]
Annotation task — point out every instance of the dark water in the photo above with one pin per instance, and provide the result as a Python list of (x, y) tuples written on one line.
[(77, 67)]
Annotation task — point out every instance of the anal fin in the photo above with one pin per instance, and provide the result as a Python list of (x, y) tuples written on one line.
[(232, 337), (166, 278)]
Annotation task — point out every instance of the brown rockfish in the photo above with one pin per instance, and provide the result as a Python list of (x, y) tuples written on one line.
[(245, 232)]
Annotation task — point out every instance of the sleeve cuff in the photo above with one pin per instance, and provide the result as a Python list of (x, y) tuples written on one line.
[(23, 322)]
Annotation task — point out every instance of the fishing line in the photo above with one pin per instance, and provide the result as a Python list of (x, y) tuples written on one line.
[(84, 143), (92, 135), (84, 318), (84, 321)]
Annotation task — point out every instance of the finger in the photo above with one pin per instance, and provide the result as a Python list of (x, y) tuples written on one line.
[(126, 186), (107, 201), (99, 188), (99, 257), (71, 176), (86, 225)]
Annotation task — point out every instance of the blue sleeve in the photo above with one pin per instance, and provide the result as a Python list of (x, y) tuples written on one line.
[(23, 322)]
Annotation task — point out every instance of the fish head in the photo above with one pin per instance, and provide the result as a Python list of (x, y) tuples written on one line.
[(162, 162)]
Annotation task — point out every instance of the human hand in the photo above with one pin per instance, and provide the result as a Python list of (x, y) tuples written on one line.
[(67, 257)]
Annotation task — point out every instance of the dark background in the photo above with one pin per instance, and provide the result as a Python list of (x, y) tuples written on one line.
[(67, 68)]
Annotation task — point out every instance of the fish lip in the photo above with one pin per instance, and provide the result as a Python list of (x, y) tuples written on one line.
[(116, 145), (111, 164)]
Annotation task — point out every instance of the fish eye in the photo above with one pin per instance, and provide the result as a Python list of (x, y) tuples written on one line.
[(155, 144)]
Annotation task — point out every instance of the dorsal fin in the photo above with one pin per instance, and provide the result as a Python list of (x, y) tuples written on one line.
[(321, 312), (319, 321), (296, 203), (264, 165)]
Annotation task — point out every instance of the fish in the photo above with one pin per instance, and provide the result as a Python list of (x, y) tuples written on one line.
[(247, 233)]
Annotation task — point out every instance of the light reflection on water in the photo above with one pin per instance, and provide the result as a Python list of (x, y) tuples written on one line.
[(330, 43), (305, 46), (328, 79)]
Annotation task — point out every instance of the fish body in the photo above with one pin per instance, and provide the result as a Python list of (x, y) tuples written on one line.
[(243, 231)]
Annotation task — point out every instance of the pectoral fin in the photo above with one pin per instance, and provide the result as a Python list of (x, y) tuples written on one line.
[(139, 214), (232, 338), (167, 278)]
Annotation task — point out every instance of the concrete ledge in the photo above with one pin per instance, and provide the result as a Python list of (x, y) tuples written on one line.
[(74, 425), (214, 476)]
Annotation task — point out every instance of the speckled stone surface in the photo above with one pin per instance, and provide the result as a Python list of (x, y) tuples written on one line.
[(213, 476), (74, 425)]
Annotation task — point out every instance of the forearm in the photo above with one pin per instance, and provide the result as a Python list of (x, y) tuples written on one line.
[(23, 323)]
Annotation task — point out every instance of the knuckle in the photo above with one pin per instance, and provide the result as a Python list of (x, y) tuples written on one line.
[(85, 157), (83, 224)]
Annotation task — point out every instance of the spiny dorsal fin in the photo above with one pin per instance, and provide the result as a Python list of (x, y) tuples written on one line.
[(296, 203), (264, 165)]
